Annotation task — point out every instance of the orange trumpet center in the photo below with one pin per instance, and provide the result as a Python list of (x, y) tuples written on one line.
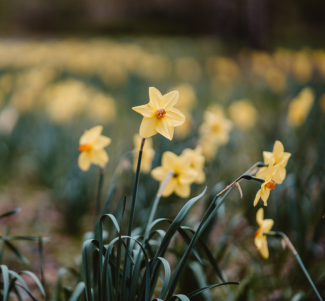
[(258, 231), (160, 113), (85, 147), (270, 184)]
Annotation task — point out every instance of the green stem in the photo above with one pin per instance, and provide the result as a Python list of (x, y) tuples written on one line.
[(290, 246), (99, 194), (134, 196)]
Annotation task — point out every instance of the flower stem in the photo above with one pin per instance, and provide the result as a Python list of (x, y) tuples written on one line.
[(153, 211), (99, 194), (290, 246), (126, 268)]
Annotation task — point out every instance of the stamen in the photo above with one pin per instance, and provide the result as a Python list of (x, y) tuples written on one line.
[(160, 113), (85, 147), (270, 184)]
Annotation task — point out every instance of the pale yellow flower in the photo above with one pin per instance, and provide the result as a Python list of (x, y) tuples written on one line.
[(184, 174), (159, 114), (102, 108), (181, 132), (209, 148), (197, 161), (216, 126), (300, 107), (91, 146), (279, 156), (147, 154), (187, 97), (271, 177), (275, 79), (243, 114), (260, 238)]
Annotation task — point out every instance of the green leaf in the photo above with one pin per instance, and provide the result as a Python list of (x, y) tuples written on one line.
[(164, 291), (181, 297), (77, 291), (209, 255), (10, 212), (200, 290), (36, 280), (16, 252), (5, 279)]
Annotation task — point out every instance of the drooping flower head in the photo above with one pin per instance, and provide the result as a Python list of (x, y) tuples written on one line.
[(260, 238), (279, 156), (147, 155), (91, 146), (159, 114), (184, 174), (196, 161), (271, 177)]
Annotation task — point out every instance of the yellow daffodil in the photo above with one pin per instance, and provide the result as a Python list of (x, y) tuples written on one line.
[(184, 174), (209, 148), (260, 238), (300, 107), (216, 126), (197, 162), (147, 154), (159, 114), (91, 146), (279, 155), (243, 114), (271, 177)]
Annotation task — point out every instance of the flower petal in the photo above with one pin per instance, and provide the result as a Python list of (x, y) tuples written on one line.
[(260, 216), (267, 225), (257, 198), (264, 251), (277, 176), (98, 156), (145, 111), (91, 135), (267, 157), (169, 161), (187, 176), (285, 158), (158, 173), (147, 127), (165, 128), (183, 190), (278, 150), (176, 117), (262, 172), (101, 142), (201, 177), (258, 242), (169, 100), (154, 96), (170, 187), (84, 161), (265, 195)]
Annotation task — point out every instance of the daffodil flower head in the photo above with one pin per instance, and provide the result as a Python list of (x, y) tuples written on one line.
[(269, 183), (260, 238), (279, 156), (197, 161), (184, 175), (159, 114), (91, 146)]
